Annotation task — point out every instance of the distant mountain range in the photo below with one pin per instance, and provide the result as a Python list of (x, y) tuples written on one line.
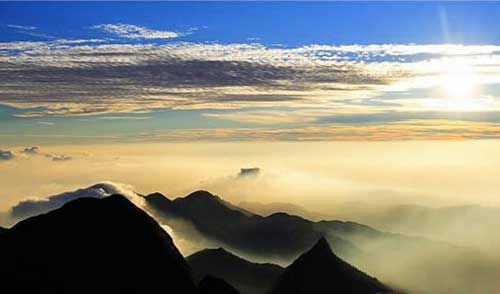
[(453, 224), (470, 225), (111, 246)]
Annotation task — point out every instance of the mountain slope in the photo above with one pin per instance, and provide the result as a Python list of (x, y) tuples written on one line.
[(214, 285), (280, 234), (320, 271), (92, 246), (246, 276)]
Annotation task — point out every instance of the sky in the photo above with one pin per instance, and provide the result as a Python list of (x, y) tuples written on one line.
[(221, 71), (379, 101)]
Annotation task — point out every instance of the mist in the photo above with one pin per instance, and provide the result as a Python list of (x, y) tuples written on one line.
[(448, 191)]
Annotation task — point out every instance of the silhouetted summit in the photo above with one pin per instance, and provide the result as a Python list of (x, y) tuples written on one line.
[(92, 246), (320, 271), (214, 285), (246, 276)]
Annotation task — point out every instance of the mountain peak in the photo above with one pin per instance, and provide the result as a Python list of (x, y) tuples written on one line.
[(321, 246), (109, 237), (320, 271), (156, 196), (202, 194)]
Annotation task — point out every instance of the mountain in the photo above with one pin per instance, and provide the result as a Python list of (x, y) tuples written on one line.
[(320, 271), (274, 207), (214, 285), (279, 235), (404, 261), (92, 245), (246, 276)]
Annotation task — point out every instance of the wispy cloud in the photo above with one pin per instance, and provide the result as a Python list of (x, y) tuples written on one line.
[(130, 31), (407, 130), (20, 27), (124, 117), (46, 123), (58, 157)]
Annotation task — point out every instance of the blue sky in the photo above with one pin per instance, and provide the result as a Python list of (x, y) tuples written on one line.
[(255, 70), (290, 24)]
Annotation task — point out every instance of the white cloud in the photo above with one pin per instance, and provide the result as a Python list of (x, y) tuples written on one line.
[(135, 32)]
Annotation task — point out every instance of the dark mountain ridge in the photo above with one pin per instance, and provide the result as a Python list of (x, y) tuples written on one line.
[(246, 276), (279, 234)]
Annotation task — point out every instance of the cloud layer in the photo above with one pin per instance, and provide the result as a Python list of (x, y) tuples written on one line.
[(314, 87), (89, 77)]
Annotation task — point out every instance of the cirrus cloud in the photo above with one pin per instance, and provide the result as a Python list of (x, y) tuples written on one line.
[(135, 32)]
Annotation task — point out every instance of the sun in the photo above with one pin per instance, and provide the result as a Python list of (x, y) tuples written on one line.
[(459, 81), (458, 84)]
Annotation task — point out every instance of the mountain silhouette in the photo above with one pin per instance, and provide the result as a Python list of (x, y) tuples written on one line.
[(213, 285), (246, 276), (92, 245), (2, 230), (320, 271), (279, 234)]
